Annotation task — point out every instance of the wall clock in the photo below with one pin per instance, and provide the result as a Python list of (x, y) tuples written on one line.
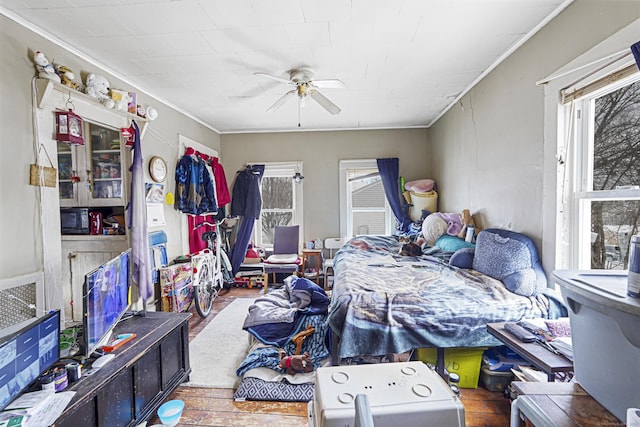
[(158, 169)]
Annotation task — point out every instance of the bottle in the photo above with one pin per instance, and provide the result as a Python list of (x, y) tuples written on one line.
[(46, 381), (470, 232), (633, 280)]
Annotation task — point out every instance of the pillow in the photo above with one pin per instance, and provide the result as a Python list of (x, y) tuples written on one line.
[(450, 243), (420, 185), (512, 258), (282, 259), (432, 228), (462, 258)]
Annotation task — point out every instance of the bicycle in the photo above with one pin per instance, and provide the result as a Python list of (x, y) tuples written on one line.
[(211, 270)]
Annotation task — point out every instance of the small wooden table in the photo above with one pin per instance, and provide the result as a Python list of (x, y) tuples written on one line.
[(533, 353), (308, 255), (558, 404)]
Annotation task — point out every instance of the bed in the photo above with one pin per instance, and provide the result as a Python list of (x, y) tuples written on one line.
[(383, 303)]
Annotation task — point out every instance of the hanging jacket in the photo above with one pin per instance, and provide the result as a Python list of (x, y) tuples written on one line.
[(194, 187), (246, 200), (220, 179)]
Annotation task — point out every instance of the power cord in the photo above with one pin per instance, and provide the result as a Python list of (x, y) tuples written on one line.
[(30, 305)]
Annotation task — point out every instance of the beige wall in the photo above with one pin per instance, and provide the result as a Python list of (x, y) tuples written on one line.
[(23, 237), (490, 151), (320, 153)]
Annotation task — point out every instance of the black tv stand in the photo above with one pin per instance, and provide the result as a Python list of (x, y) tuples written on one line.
[(129, 389)]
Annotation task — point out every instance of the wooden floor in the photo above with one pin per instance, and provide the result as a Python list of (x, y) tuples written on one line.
[(216, 407)]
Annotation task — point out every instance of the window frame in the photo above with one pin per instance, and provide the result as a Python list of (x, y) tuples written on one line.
[(346, 209), (579, 114), (282, 169)]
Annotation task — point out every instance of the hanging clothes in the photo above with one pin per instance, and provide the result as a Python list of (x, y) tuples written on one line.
[(222, 189), (137, 222), (246, 200), (198, 225), (194, 187)]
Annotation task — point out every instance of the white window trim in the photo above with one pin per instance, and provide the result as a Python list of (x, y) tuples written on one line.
[(346, 225), (577, 223), (556, 246), (284, 169)]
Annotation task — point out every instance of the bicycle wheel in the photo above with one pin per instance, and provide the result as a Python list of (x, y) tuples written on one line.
[(203, 290)]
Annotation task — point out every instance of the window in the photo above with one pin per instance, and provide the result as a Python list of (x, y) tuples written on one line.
[(363, 205), (281, 200), (604, 174)]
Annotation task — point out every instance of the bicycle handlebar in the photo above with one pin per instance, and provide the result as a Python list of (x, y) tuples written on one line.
[(216, 223)]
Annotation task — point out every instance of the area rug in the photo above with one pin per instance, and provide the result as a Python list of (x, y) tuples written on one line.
[(217, 351)]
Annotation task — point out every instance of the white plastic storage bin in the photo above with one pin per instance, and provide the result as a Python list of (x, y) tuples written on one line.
[(399, 394), (605, 331)]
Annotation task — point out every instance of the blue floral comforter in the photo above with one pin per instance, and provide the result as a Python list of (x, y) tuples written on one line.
[(385, 303)]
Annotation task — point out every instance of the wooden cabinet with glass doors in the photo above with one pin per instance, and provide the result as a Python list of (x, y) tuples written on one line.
[(93, 175)]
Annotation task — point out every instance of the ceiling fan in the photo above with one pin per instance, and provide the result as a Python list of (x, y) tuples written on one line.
[(305, 86)]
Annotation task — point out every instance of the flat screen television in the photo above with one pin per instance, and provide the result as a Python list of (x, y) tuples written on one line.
[(26, 354), (105, 300)]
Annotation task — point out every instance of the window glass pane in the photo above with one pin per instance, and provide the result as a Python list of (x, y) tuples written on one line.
[(270, 220), (365, 188), (616, 139), (369, 196), (369, 212), (612, 225), (368, 223), (277, 192)]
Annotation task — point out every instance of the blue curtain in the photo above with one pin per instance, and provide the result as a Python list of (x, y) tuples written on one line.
[(247, 204), (635, 49), (389, 172)]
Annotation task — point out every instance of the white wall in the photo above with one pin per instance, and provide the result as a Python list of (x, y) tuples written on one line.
[(21, 234), (491, 153)]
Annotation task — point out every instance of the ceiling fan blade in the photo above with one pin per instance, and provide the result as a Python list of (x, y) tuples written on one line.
[(324, 102), (276, 78), (329, 84), (282, 100)]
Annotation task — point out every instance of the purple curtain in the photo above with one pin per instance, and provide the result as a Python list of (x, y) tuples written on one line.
[(389, 172), (635, 49), (246, 203), (137, 210)]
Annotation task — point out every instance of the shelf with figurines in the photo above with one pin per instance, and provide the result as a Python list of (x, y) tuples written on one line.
[(56, 86)]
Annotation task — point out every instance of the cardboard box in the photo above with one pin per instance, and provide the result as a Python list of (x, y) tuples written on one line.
[(605, 334), (463, 361), (176, 287)]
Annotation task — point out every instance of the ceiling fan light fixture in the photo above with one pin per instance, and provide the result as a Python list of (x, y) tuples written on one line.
[(304, 86)]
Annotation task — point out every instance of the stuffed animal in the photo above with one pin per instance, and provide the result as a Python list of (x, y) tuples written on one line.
[(45, 69), (67, 76), (97, 86), (121, 99), (297, 363)]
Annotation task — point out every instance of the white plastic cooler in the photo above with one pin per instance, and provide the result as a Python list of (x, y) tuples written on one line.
[(399, 394), (605, 332)]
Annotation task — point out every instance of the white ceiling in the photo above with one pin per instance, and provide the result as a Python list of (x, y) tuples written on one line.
[(404, 62)]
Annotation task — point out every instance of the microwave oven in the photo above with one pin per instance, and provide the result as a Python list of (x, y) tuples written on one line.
[(74, 220)]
